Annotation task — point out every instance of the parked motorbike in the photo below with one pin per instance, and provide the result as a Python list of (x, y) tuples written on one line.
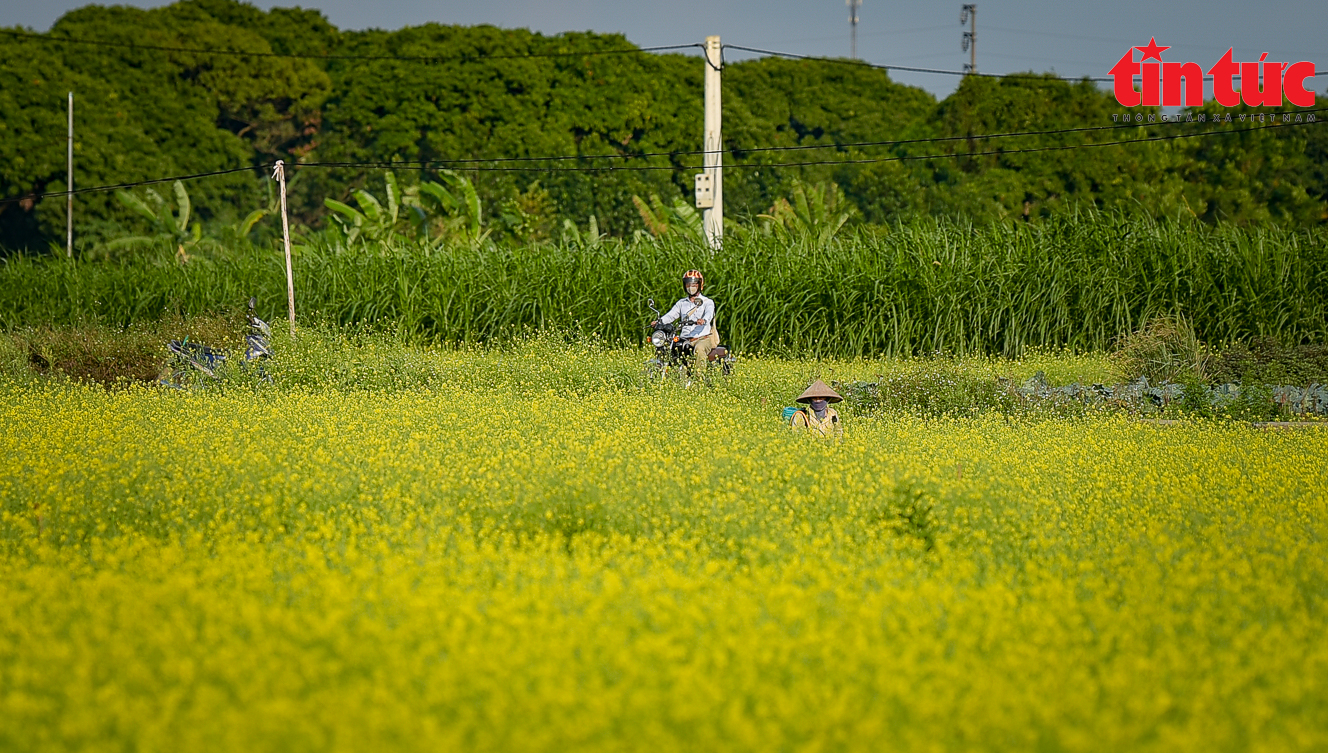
[(189, 357), (672, 352)]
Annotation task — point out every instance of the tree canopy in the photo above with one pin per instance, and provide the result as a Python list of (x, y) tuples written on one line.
[(434, 92)]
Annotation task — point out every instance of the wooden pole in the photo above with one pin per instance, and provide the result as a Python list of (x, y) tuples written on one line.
[(280, 174)]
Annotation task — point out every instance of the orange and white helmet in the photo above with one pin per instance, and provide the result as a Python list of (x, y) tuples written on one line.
[(693, 276)]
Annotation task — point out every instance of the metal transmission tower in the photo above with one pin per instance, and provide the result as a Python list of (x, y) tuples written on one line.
[(853, 6), (968, 14)]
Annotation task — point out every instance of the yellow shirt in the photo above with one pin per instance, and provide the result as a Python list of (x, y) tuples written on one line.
[(805, 419)]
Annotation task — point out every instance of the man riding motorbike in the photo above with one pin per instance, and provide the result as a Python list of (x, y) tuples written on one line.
[(699, 310)]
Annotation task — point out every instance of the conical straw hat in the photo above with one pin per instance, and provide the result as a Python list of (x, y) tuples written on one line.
[(819, 389)]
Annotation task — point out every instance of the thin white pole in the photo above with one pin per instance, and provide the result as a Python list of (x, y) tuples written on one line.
[(280, 174), (713, 218), (69, 183)]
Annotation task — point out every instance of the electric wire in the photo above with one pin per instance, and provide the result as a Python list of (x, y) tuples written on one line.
[(1116, 41), (911, 69), (867, 34), (853, 161), (134, 184), (736, 151), (517, 56), (1026, 74), (331, 56), (654, 168)]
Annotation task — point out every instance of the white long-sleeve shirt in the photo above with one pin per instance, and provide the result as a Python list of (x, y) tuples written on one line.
[(703, 309)]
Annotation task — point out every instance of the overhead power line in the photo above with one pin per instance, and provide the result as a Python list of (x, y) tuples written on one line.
[(655, 168), (941, 71), (864, 64), (805, 147), (883, 33), (855, 161), (330, 56), (1117, 41), (517, 56), (135, 184)]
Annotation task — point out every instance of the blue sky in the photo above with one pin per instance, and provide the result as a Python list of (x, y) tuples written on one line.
[(1066, 37)]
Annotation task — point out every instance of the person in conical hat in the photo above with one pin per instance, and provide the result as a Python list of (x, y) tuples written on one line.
[(818, 417)]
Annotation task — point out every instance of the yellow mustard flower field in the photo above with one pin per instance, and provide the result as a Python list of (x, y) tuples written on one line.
[(534, 552)]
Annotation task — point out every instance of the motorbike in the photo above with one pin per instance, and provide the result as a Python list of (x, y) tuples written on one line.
[(189, 358), (673, 352)]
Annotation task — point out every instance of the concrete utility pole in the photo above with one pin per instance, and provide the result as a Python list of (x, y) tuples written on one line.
[(712, 215), (968, 14), (853, 6), (69, 184)]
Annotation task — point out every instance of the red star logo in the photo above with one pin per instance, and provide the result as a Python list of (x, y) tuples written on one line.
[(1152, 50)]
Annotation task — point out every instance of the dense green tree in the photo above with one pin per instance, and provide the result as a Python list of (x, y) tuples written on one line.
[(1268, 170), (460, 109), (143, 114), (807, 103), (1003, 180), (456, 95)]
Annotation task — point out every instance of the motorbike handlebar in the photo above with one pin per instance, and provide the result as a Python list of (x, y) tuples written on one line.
[(669, 327)]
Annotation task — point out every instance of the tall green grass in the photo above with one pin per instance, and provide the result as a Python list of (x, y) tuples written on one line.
[(922, 287)]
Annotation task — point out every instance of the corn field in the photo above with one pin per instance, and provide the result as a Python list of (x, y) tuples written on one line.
[(927, 286)]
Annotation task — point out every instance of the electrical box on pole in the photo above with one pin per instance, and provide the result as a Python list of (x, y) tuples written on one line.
[(712, 213), (705, 191)]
